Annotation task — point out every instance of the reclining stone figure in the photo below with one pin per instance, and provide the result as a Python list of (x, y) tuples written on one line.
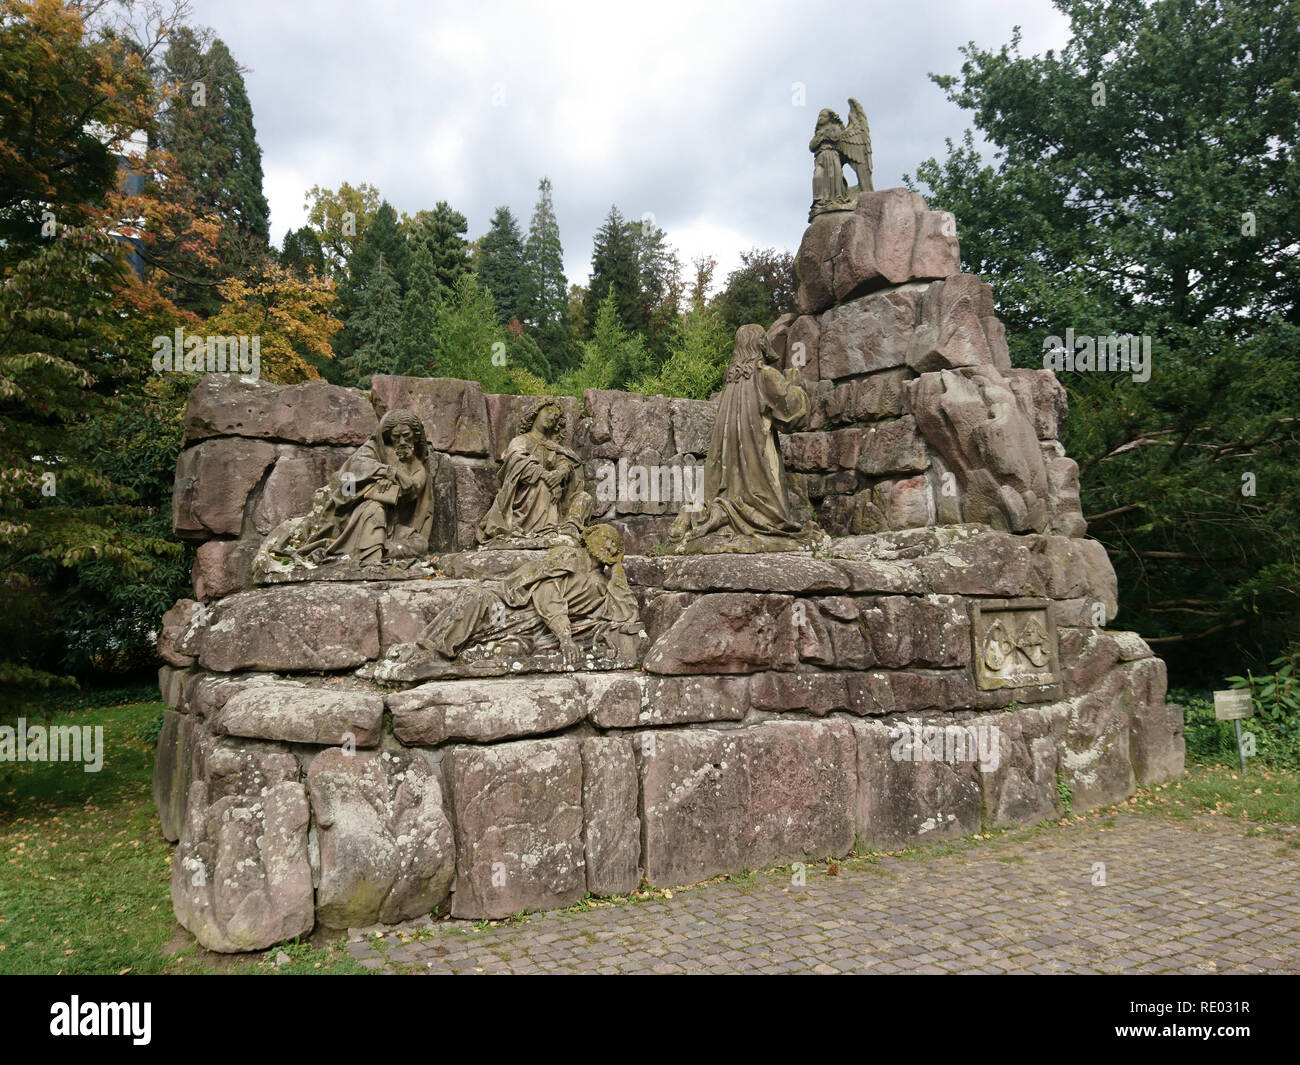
[(574, 597)]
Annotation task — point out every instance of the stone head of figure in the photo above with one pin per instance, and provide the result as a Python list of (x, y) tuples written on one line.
[(752, 346), (827, 118), (604, 544), (548, 417), (403, 431)]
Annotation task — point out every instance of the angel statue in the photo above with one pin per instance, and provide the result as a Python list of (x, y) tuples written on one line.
[(833, 145)]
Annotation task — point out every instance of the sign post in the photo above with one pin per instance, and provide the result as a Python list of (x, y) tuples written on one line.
[(1233, 705)]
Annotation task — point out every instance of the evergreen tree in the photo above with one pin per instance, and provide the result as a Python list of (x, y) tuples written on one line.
[(301, 253), (420, 306), (207, 128), (544, 301), (611, 358), (375, 324), (467, 339), (442, 231), (698, 361), (501, 264), (614, 268), (385, 240)]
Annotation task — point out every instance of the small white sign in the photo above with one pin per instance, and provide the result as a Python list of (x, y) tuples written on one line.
[(1233, 704)]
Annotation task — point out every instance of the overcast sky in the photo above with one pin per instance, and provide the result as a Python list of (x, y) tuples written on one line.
[(686, 111)]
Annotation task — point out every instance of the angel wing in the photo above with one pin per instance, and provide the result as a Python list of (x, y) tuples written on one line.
[(855, 145)]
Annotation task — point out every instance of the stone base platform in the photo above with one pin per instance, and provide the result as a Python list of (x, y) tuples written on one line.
[(897, 688)]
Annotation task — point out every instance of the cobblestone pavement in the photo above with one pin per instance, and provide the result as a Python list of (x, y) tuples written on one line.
[(1197, 896)]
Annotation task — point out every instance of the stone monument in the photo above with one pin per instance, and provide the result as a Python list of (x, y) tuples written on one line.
[(884, 626)]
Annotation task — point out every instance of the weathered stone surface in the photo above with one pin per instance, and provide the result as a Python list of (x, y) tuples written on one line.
[(890, 237), (311, 413), (972, 419), (611, 832), (213, 482), (804, 346), (306, 627), (924, 631), (223, 567), (288, 490), (905, 503), (679, 700), (811, 693), (171, 685), (180, 632), (902, 802), (1063, 502), (484, 711), (885, 692), (1021, 790), (1087, 655), (1070, 568), (476, 487), (294, 713), (1131, 646), (892, 446), (778, 335), (405, 608), (518, 824), (1095, 763), (205, 693), (692, 421), (853, 515), (792, 573), (385, 844), (868, 334), (813, 263), (172, 771), (642, 533), (625, 424), (726, 801), (1043, 399), (453, 411), (1156, 742), (239, 767), (956, 327), (727, 632), (816, 452), (985, 565), (241, 879)]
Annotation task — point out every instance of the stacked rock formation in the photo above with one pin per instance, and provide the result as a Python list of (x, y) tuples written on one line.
[(919, 417), (944, 667)]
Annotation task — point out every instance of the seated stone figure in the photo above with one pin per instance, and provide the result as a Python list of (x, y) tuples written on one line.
[(746, 502), (574, 597), (377, 508), (541, 486)]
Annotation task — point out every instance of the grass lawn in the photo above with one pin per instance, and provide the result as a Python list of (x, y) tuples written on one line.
[(84, 886), (85, 883)]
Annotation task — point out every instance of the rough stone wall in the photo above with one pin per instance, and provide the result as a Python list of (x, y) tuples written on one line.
[(255, 452), (763, 729)]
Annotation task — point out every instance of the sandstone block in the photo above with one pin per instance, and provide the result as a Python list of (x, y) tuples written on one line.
[(241, 879), (518, 819), (718, 802), (386, 851)]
